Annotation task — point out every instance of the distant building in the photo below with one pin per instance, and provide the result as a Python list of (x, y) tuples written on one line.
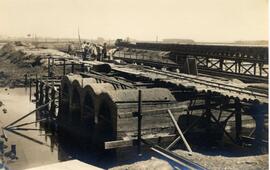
[(179, 41)]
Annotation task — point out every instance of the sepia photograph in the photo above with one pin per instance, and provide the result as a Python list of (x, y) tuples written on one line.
[(134, 84)]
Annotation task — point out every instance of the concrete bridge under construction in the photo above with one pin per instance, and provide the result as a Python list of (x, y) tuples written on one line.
[(103, 98), (116, 105)]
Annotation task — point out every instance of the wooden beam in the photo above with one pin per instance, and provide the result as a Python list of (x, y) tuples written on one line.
[(133, 142)]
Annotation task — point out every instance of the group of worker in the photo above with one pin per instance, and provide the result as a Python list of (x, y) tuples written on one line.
[(93, 51)]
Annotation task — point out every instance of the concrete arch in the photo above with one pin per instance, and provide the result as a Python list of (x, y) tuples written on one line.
[(66, 94), (86, 81), (90, 101), (75, 106), (114, 106), (105, 128), (65, 102), (88, 111)]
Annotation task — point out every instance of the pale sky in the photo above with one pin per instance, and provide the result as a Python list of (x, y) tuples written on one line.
[(201, 20)]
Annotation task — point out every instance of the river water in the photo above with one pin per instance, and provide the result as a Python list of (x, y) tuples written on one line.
[(30, 153)]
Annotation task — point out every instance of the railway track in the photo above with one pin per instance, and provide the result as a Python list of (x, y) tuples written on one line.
[(182, 162), (199, 83), (201, 70), (218, 85)]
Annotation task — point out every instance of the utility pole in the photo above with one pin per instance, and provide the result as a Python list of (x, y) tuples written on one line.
[(79, 37)]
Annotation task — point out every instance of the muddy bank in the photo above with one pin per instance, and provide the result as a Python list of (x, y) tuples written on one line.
[(20, 58)]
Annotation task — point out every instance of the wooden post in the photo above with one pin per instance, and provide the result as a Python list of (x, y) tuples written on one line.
[(236, 66), (238, 120), (255, 69), (49, 66), (64, 67), (41, 91), (52, 68), (59, 101), (72, 67), (260, 68), (239, 66), (53, 106), (139, 121), (30, 89), (25, 80), (221, 62), (47, 95), (37, 90)]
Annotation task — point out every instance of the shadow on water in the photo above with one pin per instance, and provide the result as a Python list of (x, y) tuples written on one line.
[(70, 147), (73, 147)]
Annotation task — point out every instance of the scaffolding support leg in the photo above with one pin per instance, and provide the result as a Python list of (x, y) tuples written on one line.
[(180, 132)]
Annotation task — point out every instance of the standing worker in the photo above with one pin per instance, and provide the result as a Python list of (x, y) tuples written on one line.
[(94, 51), (83, 45), (86, 51), (99, 52), (71, 49), (104, 51), (83, 50)]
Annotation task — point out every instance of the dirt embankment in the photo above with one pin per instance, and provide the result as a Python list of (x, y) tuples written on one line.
[(19, 58), (218, 162), (151, 164)]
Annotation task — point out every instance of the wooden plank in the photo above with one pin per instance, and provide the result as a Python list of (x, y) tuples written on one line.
[(154, 112), (132, 142)]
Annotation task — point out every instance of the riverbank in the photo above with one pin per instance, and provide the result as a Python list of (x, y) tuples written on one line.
[(20, 58)]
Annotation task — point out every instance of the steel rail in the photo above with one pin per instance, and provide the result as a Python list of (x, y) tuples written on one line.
[(207, 83), (182, 161)]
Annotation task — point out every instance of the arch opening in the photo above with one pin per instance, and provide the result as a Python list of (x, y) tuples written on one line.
[(105, 124), (75, 109), (88, 111)]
